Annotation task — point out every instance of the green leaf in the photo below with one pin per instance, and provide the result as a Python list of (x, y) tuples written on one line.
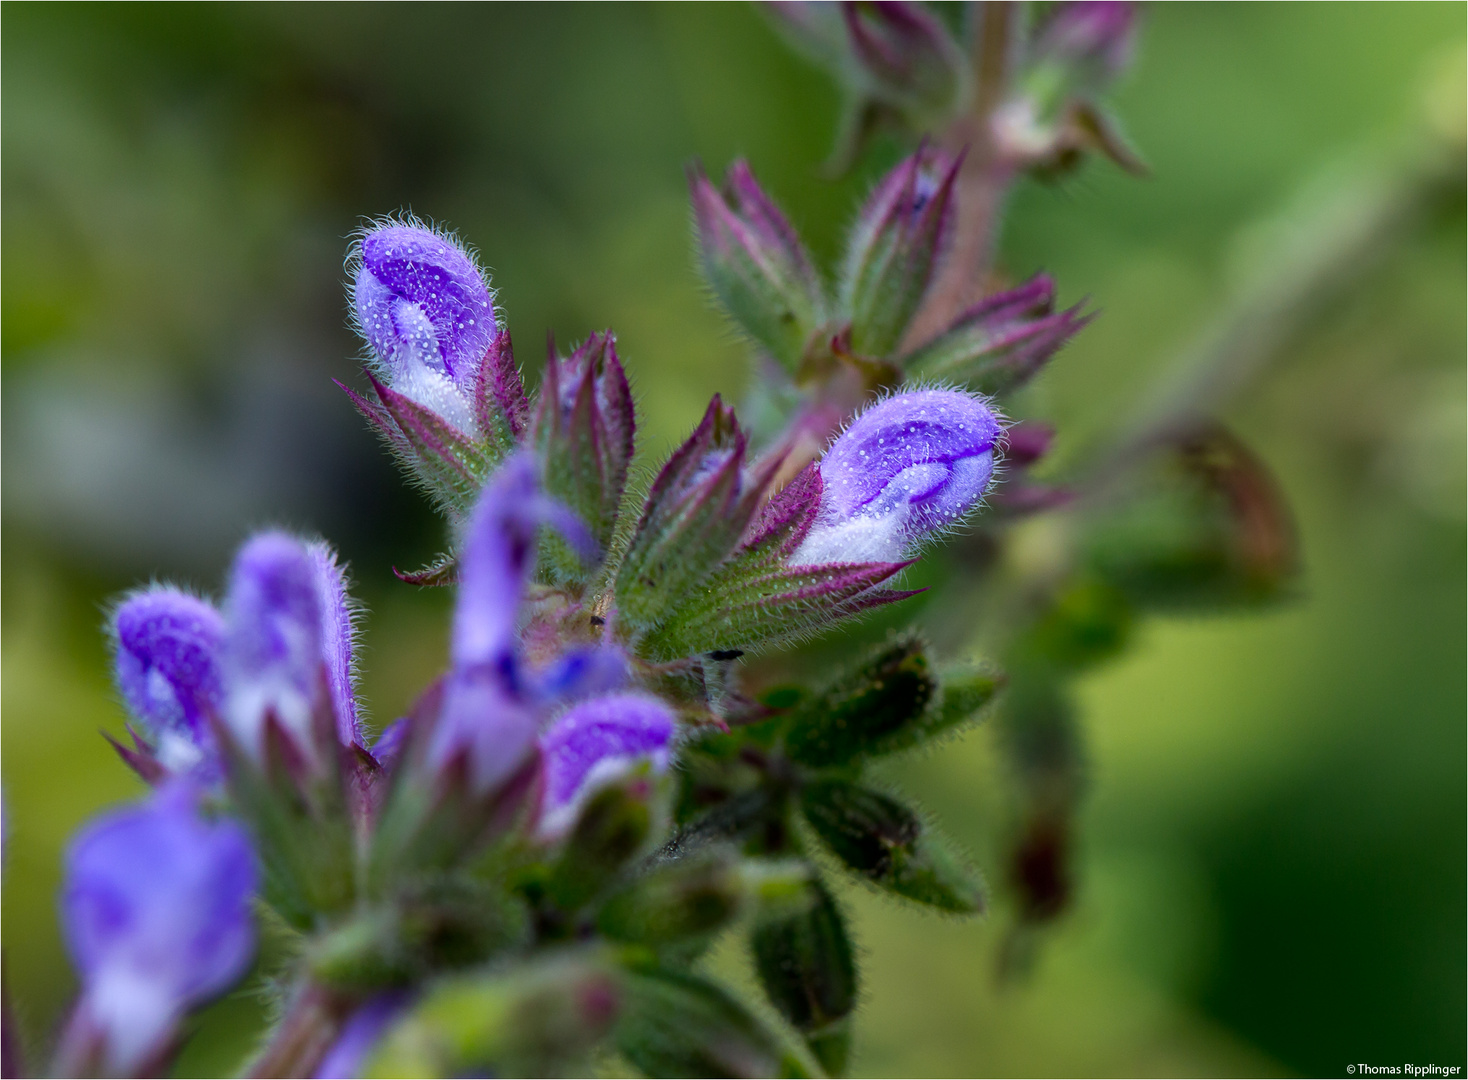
[(687, 900), (805, 963), (870, 710), (887, 843), (680, 1025)]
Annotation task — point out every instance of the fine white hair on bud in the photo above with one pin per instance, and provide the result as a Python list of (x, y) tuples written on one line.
[(910, 465)]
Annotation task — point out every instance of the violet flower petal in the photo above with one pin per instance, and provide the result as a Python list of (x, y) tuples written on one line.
[(594, 742), (167, 667), (908, 466), (156, 915)]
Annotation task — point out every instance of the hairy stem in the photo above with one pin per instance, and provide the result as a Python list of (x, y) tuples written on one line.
[(984, 180), (301, 1039)]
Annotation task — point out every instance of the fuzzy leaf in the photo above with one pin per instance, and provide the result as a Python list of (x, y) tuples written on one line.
[(500, 406), (805, 964), (450, 464), (1001, 342), (886, 843), (867, 711), (678, 1025), (696, 511)]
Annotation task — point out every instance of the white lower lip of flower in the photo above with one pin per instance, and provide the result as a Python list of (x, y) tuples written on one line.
[(247, 706), (136, 1014), (437, 393), (864, 538), (178, 753), (556, 821)]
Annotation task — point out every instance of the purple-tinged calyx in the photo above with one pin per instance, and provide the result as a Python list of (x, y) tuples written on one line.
[(156, 913), (584, 433), (756, 264), (595, 743), (288, 651), (907, 467), (896, 245), (1001, 342), (168, 645), (695, 514), (1093, 39), (428, 314), (906, 56)]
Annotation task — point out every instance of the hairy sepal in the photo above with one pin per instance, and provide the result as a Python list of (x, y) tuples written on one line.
[(584, 432), (695, 513)]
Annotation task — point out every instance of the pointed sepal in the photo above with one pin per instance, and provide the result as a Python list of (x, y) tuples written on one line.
[(754, 261), (895, 247), (1001, 342), (584, 432)]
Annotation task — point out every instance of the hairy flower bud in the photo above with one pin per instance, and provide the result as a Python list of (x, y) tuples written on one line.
[(426, 310), (895, 247), (595, 742), (755, 263), (288, 652), (907, 56), (1094, 38), (908, 466), (156, 911), (167, 667)]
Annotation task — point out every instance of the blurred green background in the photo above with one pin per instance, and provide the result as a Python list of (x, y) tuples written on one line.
[(1273, 850)]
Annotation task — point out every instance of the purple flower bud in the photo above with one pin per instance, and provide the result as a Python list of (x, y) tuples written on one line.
[(594, 743), (1094, 38), (906, 54), (908, 466), (756, 264), (290, 628), (428, 314), (896, 245), (156, 912), (167, 665)]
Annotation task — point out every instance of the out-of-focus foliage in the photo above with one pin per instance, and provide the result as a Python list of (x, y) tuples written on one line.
[(1271, 857)]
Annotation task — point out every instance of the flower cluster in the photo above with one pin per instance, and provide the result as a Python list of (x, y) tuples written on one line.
[(523, 870)]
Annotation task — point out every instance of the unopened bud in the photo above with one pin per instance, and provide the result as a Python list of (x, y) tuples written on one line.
[(756, 264), (886, 842), (426, 310), (167, 667), (873, 704), (909, 466), (896, 244)]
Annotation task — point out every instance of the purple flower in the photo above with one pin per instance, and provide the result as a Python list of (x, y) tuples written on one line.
[(495, 709), (288, 652), (488, 710), (428, 314), (167, 667), (908, 466), (156, 913), (595, 742)]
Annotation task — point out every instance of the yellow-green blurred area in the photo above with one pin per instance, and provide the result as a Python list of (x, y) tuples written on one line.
[(1272, 852)]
